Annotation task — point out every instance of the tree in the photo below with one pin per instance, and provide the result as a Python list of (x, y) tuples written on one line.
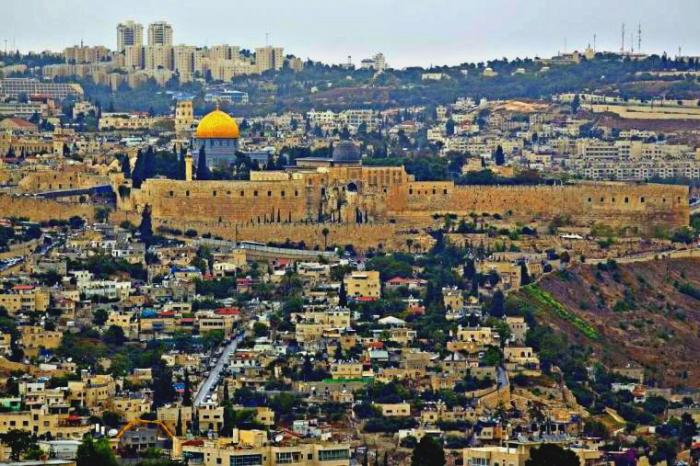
[(497, 308), (689, 429), (575, 104), (428, 452), (498, 156), (227, 396), (202, 168), (469, 270), (138, 174), (91, 452), (125, 165), (99, 317), (187, 393), (524, 274), (450, 127), (178, 426), (342, 294), (76, 223), (146, 226), (229, 419), (325, 233), (549, 454), (114, 336), (162, 385), (19, 441)]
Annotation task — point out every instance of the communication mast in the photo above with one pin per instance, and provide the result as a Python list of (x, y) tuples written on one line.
[(639, 38), (622, 47)]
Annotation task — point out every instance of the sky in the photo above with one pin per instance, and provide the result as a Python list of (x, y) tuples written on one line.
[(408, 32)]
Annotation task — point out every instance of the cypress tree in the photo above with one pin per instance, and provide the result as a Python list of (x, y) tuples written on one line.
[(138, 175), (178, 426), (202, 169), (187, 394), (146, 226)]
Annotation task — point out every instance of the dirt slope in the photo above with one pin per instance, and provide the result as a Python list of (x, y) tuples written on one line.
[(634, 313)]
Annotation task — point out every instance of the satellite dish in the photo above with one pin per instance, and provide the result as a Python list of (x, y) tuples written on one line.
[(112, 432), (279, 438)]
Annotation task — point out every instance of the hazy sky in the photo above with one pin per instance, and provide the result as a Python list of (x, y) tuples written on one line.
[(408, 32)]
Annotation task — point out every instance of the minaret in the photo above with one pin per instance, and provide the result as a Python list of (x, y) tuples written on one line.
[(188, 166)]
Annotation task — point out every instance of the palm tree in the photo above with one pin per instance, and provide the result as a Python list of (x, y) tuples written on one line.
[(325, 232)]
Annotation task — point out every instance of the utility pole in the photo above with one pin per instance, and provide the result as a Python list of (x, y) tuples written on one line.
[(595, 37)]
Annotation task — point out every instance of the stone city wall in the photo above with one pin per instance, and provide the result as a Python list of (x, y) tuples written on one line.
[(616, 204), (42, 209)]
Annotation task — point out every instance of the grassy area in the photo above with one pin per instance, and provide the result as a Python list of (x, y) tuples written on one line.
[(546, 301)]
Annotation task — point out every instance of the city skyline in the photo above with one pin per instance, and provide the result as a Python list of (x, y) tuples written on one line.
[(459, 31)]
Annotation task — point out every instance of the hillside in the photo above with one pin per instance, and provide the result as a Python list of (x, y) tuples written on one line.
[(631, 312)]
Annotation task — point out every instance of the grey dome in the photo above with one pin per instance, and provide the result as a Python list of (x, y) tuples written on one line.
[(346, 152)]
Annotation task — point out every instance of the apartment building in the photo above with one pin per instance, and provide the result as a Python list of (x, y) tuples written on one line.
[(246, 453), (269, 58), (25, 298), (364, 284), (59, 423), (311, 325), (34, 338), (92, 390), (393, 409), (346, 370), (160, 33), (129, 34)]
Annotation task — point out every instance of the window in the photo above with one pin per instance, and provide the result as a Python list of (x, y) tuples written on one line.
[(333, 455), (255, 193), (187, 193), (288, 457), (479, 462), (213, 193), (246, 460), (282, 193), (641, 200), (242, 193), (410, 191), (627, 199), (269, 194)]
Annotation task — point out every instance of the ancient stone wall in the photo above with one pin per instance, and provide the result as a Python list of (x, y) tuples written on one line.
[(615, 204), (352, 195), (224, 201), (52, 180), (42, 209)]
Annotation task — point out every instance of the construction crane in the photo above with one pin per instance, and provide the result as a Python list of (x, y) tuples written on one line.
[(142, 422), (177, 445)]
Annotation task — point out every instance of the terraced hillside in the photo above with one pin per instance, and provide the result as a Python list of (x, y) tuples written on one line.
[(647, 312)]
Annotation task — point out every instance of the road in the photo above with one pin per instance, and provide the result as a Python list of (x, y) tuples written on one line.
[(501, 378), (215, 374)]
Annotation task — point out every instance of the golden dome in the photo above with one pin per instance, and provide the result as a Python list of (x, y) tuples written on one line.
[(217, 125)]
